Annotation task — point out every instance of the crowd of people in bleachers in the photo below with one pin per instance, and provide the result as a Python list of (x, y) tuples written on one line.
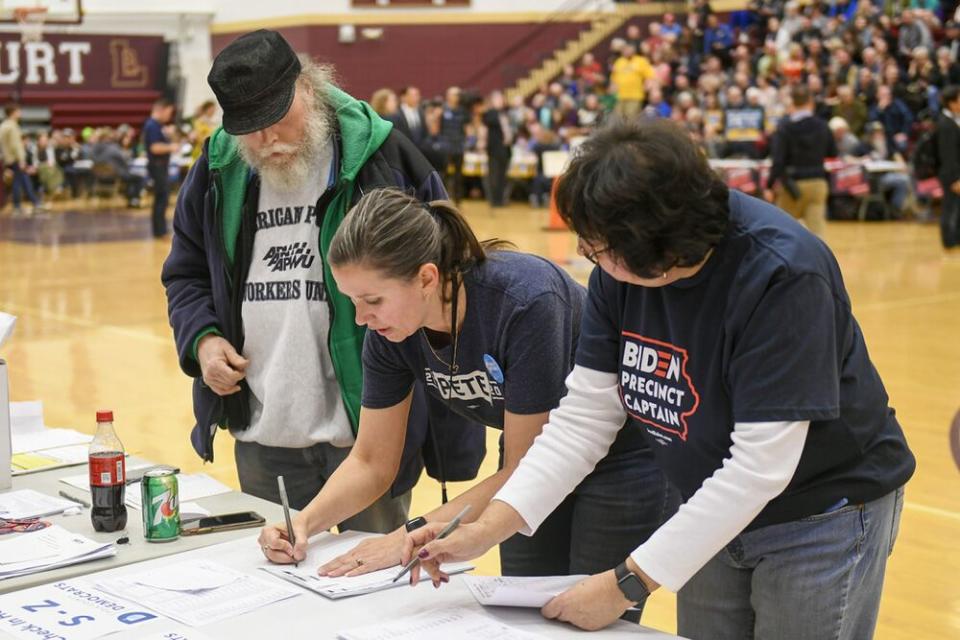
[(875, 70)]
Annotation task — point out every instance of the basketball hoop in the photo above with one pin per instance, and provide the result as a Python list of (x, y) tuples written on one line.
[(30, 20)]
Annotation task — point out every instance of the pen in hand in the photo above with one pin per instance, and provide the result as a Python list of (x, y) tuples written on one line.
[(447, 530), (286, 515)]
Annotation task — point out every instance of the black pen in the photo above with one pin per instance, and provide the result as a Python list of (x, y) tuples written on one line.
[(286, 515), (71, 498), (447, 530)]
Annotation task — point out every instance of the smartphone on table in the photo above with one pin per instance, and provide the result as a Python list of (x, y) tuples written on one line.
[(223, 522)]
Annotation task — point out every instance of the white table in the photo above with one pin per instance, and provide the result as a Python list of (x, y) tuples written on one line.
[(309, 615), (138, 548)]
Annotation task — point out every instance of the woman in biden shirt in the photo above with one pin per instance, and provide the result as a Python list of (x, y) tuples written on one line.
[(720, 329)]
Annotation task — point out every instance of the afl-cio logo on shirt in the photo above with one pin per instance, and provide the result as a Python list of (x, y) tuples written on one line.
[(654, 385)]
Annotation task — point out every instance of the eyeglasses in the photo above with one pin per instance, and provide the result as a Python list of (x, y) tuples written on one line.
[(589, 255)]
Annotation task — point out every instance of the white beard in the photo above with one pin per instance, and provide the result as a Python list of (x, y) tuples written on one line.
[(298, 164)]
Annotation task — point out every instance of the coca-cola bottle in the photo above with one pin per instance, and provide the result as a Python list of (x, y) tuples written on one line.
[(108, 475)]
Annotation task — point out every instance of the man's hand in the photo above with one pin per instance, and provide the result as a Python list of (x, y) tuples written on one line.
[(275, 543), (592, 604), (370, 555), (222, 367)]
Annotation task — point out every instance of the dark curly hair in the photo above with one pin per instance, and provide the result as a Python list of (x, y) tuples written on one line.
[(642, 190)]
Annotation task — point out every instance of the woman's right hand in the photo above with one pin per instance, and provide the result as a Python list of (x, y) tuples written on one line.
[(275, 543)]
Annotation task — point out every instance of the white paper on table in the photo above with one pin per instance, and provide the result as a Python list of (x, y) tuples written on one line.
[(244, 593), (174, 633), (190, 486), (28, 432), (440, 624), (68, 548), (82, 480), (192, 510), (180, 577), (27, 503), (327, 546), (508, 591), (73, 610)]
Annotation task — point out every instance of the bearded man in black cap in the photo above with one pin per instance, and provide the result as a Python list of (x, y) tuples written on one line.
[(259, 322)]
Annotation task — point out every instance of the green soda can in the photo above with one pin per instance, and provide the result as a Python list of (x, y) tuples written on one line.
[(160, 506)]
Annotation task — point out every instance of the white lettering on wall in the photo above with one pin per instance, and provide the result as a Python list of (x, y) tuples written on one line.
[(74, 50), (13, 59), (40, 55)]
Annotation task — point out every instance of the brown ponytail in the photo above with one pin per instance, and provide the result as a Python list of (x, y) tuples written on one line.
[(394, 233)]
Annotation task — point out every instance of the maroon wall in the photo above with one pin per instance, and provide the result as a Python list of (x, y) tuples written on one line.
[(113, 81), (431, 57)]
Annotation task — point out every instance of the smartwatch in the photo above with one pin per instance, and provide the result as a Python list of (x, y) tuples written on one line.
[(630, 584), (416, 523)]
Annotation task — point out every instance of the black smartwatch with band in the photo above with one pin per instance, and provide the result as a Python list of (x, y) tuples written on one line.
[(414, 524), (630, 584)]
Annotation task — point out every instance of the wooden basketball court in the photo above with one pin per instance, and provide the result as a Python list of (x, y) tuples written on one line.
[(93, 333)]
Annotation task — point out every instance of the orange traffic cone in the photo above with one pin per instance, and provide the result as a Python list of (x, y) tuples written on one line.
[(555, 222)]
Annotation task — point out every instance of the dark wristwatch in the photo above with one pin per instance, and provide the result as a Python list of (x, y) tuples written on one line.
[(416, 523), (630, 584)]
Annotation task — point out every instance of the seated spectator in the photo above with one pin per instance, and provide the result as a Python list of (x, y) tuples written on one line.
[(946, 70), (48, 172), (590, 113), (895, 117), (657, 107), (743, 126), (669, 29), (848, 145), (106, 150), (67, 151), (589, 72), (851, 109), (893, 184)]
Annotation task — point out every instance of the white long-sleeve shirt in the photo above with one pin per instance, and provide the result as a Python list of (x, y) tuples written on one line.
[(763, 459)]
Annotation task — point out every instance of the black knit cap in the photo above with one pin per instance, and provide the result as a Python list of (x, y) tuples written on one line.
[(254, 79)]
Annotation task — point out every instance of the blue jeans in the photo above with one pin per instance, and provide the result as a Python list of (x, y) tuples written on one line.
[(817, 578), (304, 472), (595, 528), (22, 184)]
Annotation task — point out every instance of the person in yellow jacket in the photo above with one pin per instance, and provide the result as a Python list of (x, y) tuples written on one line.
[(631, 71)]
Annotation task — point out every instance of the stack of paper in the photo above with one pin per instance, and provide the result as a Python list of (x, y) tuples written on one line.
[(190, 486), (196, 593), (50, 548), (55, 458), (27, 503), (440, 624), (28, 432), (505, 591), (328, 546)]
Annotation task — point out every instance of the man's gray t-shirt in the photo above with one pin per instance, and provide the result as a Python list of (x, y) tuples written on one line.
[(514, 350), (294, 394)]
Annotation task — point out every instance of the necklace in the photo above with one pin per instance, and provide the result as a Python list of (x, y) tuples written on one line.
[(452, 366)]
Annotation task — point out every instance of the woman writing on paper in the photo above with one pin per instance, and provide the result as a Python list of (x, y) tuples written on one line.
[(720, 329), (491, 334)]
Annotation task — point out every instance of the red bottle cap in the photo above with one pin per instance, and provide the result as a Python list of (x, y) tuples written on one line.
[(104, 416)]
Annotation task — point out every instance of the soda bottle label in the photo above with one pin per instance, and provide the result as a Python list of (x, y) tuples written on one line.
[(107, 470)]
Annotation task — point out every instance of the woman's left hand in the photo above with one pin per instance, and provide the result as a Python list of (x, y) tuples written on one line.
[(591, 604), (370, 555)]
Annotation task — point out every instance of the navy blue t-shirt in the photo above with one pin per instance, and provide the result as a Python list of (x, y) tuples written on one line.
[(153, 132), (514, 350), (762, 333)]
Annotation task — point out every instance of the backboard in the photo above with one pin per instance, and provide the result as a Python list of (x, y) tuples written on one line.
[(57, 11)]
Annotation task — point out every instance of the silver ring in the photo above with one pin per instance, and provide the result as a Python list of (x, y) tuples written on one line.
[(266, 549), (359, 562)]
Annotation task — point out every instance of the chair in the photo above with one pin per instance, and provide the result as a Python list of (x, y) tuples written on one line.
[(106, 180)]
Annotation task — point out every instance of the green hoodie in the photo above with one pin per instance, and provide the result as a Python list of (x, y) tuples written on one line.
[(362, 132)]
